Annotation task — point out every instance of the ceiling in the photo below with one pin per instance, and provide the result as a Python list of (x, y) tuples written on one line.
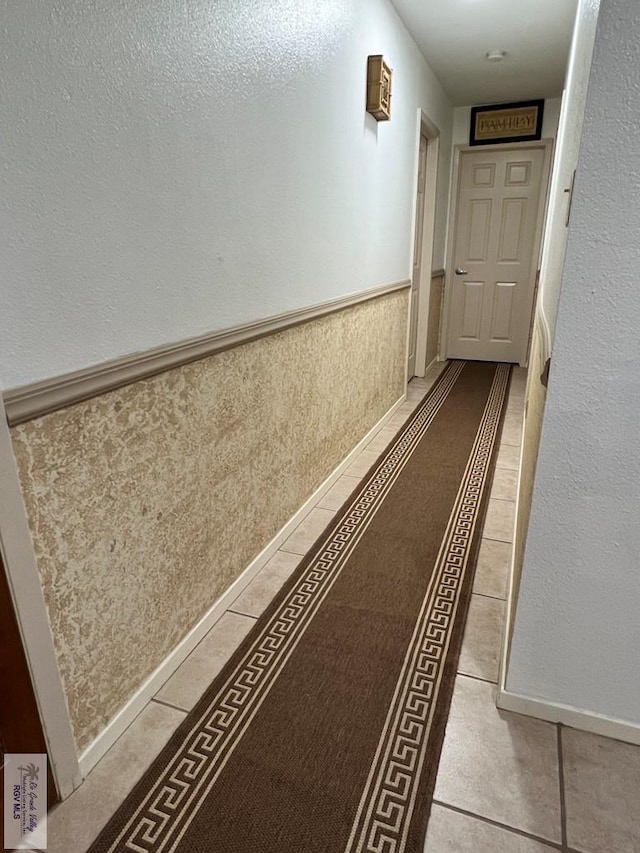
[(455, 35)]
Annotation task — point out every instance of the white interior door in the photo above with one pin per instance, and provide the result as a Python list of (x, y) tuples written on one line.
[(417, 258), (500, 198)]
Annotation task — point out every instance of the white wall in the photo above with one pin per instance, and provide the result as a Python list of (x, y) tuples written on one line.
[(567, 149), (168, 169), (577, 633)]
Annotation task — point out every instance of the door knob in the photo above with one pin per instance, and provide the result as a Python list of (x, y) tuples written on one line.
[(460, 271)]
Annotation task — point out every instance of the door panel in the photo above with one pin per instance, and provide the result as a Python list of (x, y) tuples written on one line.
[(499, 202), (472, 310), (511, 230), (478, 230), (518, 175), (502, 315), (484, 175)]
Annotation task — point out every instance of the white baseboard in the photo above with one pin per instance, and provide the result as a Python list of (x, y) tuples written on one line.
[(127, 714), (569, 716), (433, 364), (540, 708)]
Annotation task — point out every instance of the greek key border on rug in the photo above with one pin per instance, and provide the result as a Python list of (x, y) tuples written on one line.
[(167, 810), (388, 800)]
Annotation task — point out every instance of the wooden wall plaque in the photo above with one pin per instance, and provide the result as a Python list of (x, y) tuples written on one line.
[(378, 88)]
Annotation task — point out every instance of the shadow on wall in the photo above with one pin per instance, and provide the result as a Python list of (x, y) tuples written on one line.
[(535, 397)]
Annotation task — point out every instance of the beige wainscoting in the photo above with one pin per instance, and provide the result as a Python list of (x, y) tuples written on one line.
[(146, 502), (436, 301)]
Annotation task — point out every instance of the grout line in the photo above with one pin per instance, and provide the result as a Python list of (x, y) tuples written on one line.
[(477, 677), (493, 539), (563, 804), (502, 467), (170, 705), (241, 613), (553, 844), (297, 553), (485, 594)]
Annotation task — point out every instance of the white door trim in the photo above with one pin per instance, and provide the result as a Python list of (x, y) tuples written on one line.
[(28, 600), (427, 128), (416, 268), (547, 146)]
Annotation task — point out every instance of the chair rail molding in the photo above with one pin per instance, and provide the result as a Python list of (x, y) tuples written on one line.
[(40, 398)]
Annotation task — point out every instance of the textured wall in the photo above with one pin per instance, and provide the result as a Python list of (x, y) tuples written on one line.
[(147, 502), (170, 168), (436, 300), (577, 633), (535, 395), (567, 149)]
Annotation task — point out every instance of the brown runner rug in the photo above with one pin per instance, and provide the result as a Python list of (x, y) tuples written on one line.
[(323, 732)]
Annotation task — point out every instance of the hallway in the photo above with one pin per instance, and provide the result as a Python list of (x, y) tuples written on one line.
[(209, 288), (506, 783)]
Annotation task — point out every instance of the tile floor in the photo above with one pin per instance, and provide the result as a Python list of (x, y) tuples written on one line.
[(506, 783)]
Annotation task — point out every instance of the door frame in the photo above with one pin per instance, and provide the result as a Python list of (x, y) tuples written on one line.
[(30, 610), (547, 146), (20, 725), (430, 130), (416, 268)]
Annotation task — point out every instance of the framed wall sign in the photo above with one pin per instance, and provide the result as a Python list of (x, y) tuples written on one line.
[(520, 122)]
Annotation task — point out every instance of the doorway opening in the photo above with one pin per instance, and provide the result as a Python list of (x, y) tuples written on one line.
[(423, 325)]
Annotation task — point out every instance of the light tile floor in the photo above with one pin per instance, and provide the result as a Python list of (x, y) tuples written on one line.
[(506, 783)]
